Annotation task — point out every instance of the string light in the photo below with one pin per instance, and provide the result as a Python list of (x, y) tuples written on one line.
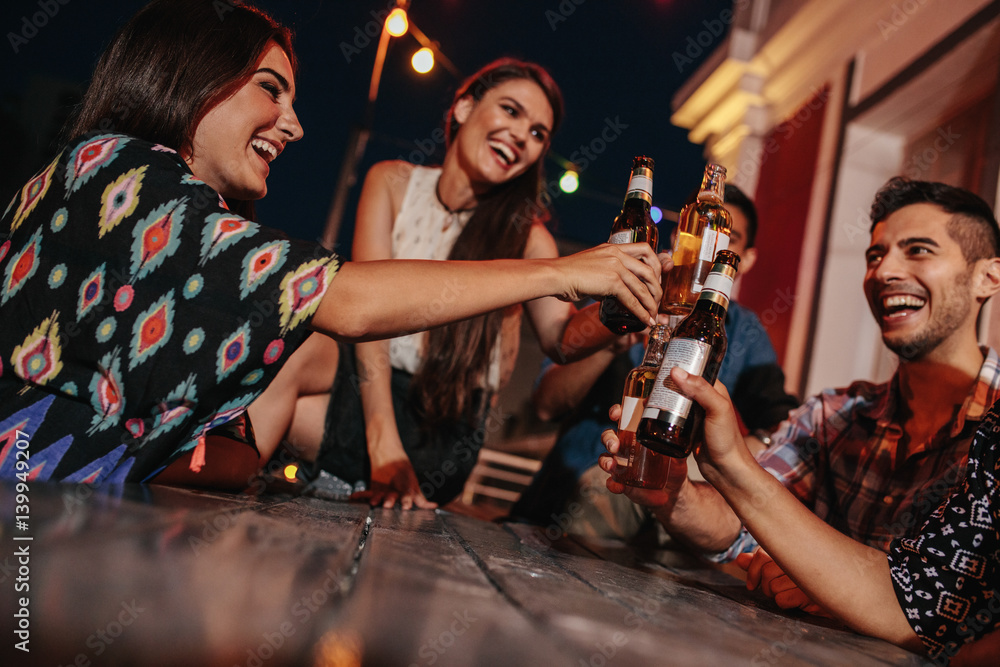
[(396, 24), (423, 60)]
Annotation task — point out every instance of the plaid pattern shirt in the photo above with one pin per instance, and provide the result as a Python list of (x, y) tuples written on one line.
[(840, 454)]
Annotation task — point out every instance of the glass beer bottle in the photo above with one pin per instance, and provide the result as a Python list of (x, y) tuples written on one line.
[(671, 422), (633, 224), (637, 465), (703, 229)]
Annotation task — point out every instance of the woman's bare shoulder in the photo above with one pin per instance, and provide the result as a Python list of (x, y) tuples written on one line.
[(541, 243)]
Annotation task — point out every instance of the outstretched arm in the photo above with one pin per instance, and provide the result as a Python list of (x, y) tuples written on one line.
[(845, 577), (371, 300)]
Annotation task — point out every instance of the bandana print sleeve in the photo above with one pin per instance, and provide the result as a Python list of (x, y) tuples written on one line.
[(947, 578)]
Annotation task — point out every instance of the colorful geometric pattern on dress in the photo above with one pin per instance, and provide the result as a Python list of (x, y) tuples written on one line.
[(175, 407), (222, 230), (157, 237), (233, 351), (260, 263), (88, 158), (120, 199), (947, 578), (302, 291), (39, 358), (32, 193), (148, 342), (43, 463), (153, 328), (91, 292), (226, 413), (106, 393), (97, 471), (27, 421), (22, 265), (59, 220)]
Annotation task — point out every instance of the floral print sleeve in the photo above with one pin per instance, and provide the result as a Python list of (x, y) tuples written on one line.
[(947, 578), (138, 312)]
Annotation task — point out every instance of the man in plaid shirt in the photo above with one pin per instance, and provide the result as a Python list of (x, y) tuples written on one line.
[(873, 459)]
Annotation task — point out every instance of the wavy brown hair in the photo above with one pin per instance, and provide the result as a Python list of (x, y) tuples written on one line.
[(458, 355), (172, 63)]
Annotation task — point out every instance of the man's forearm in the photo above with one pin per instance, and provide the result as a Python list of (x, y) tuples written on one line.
[(701, 518)]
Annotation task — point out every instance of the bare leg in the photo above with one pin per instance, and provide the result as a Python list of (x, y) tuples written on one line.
[(308, 423), (309, 370)]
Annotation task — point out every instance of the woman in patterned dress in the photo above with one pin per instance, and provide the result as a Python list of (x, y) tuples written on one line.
[(937, 592), (143, 309)]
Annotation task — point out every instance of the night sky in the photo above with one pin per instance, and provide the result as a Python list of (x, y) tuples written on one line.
[(618, 65)]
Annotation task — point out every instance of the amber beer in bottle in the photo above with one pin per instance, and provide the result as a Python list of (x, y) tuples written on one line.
[(703, 229), (637, 465), (633, 224), (671, 422)]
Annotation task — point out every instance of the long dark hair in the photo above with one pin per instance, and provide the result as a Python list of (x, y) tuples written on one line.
[(170, 64), (458, 355)]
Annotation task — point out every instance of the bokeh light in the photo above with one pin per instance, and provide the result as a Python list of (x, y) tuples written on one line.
[(569, 182), (396, 24), (423, 60)]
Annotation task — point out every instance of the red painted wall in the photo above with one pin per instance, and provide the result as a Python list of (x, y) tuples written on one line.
[(788, 166)]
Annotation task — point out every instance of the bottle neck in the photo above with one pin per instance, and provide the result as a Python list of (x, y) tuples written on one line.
[(718, 288), (656, 345), (713, 184)]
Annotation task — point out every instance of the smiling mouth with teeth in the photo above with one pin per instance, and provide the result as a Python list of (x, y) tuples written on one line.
[(901, 304), (504, 151), (264, 149)]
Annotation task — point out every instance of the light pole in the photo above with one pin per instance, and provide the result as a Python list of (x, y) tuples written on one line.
[(396, 24)]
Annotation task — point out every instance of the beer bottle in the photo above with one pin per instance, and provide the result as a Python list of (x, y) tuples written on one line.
[(703, 229), (632, 224), (671, 422), (637, 465)]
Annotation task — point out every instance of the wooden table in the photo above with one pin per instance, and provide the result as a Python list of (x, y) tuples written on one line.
[(159, 576)]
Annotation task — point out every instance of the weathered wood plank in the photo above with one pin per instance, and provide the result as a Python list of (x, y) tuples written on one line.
[(188, 579), (159, 576), (420, 598), (682, 617)]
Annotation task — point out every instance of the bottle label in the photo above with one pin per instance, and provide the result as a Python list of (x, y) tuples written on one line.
[(622, 237), (708, 241), (631, 414), (692, 356), (640, 186), (719, 282)]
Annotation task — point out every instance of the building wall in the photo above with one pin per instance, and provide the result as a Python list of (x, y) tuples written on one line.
[(904, 77)]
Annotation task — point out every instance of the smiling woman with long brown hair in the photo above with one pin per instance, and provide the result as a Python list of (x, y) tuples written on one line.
[(404, 419)]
